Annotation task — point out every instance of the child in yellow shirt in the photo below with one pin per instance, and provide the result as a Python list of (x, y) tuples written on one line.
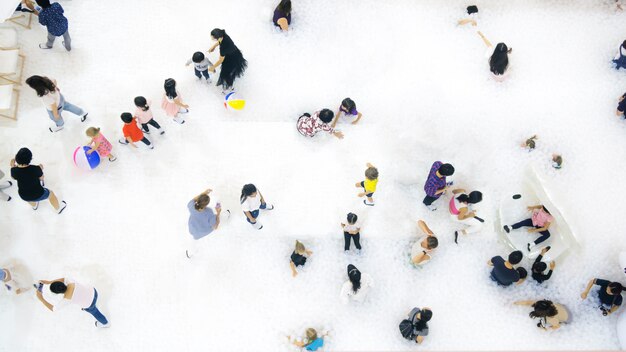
[(369, 184)]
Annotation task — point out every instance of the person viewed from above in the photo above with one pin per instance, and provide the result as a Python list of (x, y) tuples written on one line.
[(503, 272), (282, 15), (421, 251), (609, 294)]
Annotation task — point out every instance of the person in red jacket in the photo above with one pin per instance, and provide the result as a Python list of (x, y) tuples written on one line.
[(132, 133)]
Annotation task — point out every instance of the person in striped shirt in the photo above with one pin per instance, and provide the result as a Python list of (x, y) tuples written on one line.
[(437, 182)]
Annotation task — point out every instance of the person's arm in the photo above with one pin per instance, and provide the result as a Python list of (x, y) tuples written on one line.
[(130, 141), (178, 102), (294, 272), (207, 191), (545, 227), (217, 217), (441, 190), (55, 110), (45, 303), (189, 62), (485, 40), (458, 190), (214, 46), (466, 21), (534, 207), (419, 258), (95, 146), (336, 119), (283, 23), (425, 229), (489, 262), (524, 303), (217, 64), (42, 175), (249, 216), (358, 118), (12, 163), (613, 309), (589, 286), (308, 253), (464, 213), (419, 339)]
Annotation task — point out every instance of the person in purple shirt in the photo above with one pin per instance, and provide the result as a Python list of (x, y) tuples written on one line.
[(348, 111), (437, 183), (282, 15), (51, 16)]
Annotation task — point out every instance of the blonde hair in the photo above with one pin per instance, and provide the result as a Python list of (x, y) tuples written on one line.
[(300, 247), (311, 334), (92, 131), (371, 173)]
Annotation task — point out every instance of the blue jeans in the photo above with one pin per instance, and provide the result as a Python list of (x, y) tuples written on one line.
[(65, 106), (204, 73), (93, 310), (255, 213)]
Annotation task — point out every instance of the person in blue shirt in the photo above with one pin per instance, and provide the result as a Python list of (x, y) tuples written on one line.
[(51, 16), (313, 341)]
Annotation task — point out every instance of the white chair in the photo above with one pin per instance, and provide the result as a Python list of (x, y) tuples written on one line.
[(8, 38), (10, 69), (8, 108)]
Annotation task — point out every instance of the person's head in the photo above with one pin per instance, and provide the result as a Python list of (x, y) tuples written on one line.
[(352, 218), (614, 289), (202, 201), (472, 198), (499, 60), (92, 131), (142, 103), (539, 267), (58, 287), (43, 3), (300, 249), (624, 44), (425, 314), (531, 142), (41, 85), (217, 34), (248, 190), (170, 88), (371, 173), (355, 277), (557, 161), (348, 104), (285, 6), (326, 115), (523, 274), (311, 334), (543, 309), (446, 170), (197, 57), (127, 117), (23, 156), (472, 9), (515, 257), (421, 318), (432, 242)]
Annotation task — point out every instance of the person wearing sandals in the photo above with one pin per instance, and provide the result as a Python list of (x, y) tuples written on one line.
[(423, 247), (54, 101), (29, 182)]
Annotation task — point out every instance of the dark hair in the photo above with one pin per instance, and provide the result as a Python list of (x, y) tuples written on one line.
[(326, 115), (42, 85), (425, 316), (616, 288), (432, 242), (349, 104), (522, 273), (545, 209), (127, 117), (516, 257), (499, 60), (197, 57), (142, 103), (23, 156), (543, 309), (472, 9), (355, 277), (473, 198), (539, 267), (170, 88), (246, 191), (218, 33), (624, 44), (58, 287), (352, 218), (43, 3), (202, 202), (446, 170), (284, 6)]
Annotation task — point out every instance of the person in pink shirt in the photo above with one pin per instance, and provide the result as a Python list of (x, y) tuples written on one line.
[(144, 115), (308, 125), (99, 143), (540, 221), (58, 293)]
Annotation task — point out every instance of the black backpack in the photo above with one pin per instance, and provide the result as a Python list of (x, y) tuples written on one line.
[(406, 329)]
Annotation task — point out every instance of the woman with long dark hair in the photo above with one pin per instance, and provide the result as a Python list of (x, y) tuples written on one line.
[(282, 15), (461, 211), (54, 101), (356, 287), (498, 58), (232, 61), (252, 202), (551, 315)]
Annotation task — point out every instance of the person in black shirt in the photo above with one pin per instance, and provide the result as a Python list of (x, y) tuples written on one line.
[(298, 257), (609, 294), (503, 271), (29, 181), (231, 59), (540, 267), (621, 107)]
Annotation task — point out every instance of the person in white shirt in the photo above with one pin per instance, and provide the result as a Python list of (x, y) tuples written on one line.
[(12, 281), (357, 286), (54, 101), (351, 231), (252, 202), (58, 293), (498, 57), (422, 248)]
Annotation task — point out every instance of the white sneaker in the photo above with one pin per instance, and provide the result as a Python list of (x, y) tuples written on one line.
[(55, 128), (209, 80), (123, 141), (179, 120), (431, 207), (102, 326), (183, 111), (257, 225)]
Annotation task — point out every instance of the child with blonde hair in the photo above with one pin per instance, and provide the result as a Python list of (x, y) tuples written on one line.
[(369, 184), (99, 143), (313, 341), (298, 257)]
